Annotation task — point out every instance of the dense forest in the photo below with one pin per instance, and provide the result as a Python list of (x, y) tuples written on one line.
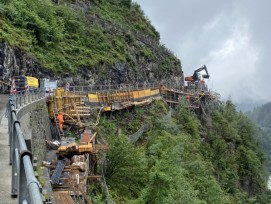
[(183, 158), (262, 117)]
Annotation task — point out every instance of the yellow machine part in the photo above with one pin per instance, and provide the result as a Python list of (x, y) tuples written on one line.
[(107, 108), (59, 92), (75, 149), (50, 107), (62, 148), (93, 98), (58, 97), (85, 148), (32, 81)]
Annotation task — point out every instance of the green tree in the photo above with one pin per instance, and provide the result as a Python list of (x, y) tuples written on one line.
[(125, 167)]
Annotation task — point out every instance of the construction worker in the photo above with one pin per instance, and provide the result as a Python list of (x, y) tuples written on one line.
[(60, 121), (188, 98)]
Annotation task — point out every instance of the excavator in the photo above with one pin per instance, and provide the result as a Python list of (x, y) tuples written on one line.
[(73, 148), (88, 145), (196, 77)]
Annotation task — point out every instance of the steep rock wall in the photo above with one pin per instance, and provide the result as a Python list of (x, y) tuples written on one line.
[(14, 61)]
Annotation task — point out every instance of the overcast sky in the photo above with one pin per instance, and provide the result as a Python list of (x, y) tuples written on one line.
[(232, 38)]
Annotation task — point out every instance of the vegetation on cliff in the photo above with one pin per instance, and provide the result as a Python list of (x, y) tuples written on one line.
[(65, 39), (183, 159)]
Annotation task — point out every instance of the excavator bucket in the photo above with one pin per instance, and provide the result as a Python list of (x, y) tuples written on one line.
[(205, 76)]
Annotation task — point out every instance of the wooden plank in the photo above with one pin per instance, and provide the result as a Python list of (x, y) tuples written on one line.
[(63, 198), (74, 105)]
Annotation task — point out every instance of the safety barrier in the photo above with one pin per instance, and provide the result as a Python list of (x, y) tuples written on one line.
[(22, 98), (99, 88), (24, 183)]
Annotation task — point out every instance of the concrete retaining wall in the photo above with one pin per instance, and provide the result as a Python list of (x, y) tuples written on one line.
[(35, 124)]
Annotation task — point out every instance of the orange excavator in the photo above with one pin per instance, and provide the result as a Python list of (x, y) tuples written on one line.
[(197, 76), (73, 148), (88, 145)]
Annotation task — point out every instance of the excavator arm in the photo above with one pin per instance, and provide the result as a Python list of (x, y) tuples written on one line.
[(195, 76), (206, 76)]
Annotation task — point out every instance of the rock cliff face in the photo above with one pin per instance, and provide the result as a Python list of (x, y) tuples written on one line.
[(121, 55), (14, 61)]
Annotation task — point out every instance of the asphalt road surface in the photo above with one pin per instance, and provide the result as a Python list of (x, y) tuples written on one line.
[(3, 103)]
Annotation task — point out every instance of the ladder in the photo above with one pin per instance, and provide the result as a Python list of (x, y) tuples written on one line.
[(60, 134)]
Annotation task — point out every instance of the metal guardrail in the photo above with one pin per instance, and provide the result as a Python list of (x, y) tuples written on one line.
[(21, 98), (24, 183), (121, 87)]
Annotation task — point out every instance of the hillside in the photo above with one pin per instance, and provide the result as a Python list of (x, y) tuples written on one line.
[(86, 42), (180, 156), (181, 159), (262, 117)]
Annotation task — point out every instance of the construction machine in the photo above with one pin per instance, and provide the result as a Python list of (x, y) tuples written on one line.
[(73, 149), (88, 145), (197, 76)]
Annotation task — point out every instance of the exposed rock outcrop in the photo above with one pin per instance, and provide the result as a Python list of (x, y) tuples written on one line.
[(14, 61)]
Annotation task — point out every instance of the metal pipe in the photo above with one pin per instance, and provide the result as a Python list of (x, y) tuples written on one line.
[(20, 137), (32, 182)]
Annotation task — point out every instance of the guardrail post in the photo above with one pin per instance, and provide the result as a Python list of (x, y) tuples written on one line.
[(11, 132), (22, 97), (16, 102), (10, 127)]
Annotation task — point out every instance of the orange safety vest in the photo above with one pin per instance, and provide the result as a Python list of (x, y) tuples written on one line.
[(60, 118)]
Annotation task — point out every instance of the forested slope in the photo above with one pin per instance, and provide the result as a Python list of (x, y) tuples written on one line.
[(262, 117), (184, 159)]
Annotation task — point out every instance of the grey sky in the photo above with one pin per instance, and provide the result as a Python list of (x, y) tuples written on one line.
[(232, 38)]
